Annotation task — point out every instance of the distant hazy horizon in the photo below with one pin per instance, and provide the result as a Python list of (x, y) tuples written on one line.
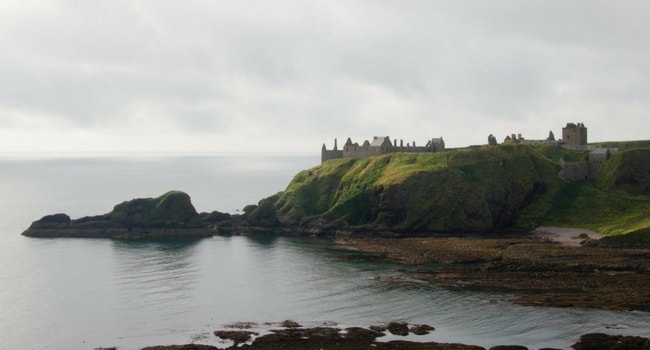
[(286, 76)]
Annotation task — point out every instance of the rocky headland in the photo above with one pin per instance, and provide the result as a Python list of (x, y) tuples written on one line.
[(473, 212), (171, 215), (510, 188), (497, 189)]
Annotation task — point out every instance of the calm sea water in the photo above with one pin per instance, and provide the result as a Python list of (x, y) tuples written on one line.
[(88, 293)]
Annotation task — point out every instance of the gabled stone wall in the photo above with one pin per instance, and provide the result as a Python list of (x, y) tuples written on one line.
[(380, 145)]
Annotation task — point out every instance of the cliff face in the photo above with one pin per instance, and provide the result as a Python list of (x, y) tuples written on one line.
[(506, 187), (477, 189), (627, 171)]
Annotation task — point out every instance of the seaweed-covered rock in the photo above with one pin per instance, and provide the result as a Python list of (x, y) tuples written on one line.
[(398, 328), (421, 329), (598, 341), (237, 337)]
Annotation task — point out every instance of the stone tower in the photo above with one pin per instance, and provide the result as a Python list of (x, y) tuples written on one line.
[(574, 134)]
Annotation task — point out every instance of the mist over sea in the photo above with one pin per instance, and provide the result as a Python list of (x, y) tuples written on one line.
[(88, 293)]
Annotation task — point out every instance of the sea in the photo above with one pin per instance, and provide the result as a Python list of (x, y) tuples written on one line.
[(88, 293)]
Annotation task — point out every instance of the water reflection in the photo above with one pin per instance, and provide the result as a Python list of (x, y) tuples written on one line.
[(155, 272), (263, 239), (228, 279)]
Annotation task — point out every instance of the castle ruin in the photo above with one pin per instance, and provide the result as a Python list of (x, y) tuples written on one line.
[(574, 134), (379, 145), (574, 137), (586, 169)]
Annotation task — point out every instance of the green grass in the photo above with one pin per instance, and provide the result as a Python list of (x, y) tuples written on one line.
[(582, 204), (505, 186), (172, 209), (401, 166), (623, 145)]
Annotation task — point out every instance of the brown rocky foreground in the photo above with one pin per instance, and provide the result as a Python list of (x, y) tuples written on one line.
[(538, 271), (357, 338)]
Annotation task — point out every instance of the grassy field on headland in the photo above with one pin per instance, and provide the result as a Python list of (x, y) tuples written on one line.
[(481, 189)]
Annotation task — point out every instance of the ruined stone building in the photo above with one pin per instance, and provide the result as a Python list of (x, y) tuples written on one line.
[(587, 169), (379, 145), (574, 134)]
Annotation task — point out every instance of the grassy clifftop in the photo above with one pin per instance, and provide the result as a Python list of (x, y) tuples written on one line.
[(478, 189)]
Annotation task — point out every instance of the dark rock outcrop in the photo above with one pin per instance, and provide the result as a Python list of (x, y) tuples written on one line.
[(598, 341), (421, 329), (398, 328), (354, 338), (237, 337), (181, 347), (334, 338), (53, 221), (171, 215)]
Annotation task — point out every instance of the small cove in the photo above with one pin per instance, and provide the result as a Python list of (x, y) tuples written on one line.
[(87, 293)]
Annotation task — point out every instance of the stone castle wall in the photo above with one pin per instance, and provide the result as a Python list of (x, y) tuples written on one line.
[(574, 134), (380, 145), (586, 169), (330, 154)]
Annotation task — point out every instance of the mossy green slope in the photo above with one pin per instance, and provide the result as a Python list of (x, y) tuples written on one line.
[(471, 190), (172, 209), (617, 202), (475, 189)]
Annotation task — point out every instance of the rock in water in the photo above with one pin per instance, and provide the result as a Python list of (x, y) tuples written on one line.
[(170, 215)]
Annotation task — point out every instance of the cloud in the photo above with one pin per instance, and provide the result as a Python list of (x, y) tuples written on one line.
[(226, 76)]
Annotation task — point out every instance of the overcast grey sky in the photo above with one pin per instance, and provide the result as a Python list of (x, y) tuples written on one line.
[(201, 75)]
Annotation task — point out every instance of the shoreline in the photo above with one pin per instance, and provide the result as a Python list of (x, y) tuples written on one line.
[(539, 270), (290, 335)]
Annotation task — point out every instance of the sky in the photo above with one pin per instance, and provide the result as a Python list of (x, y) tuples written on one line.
[(288, 76)]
